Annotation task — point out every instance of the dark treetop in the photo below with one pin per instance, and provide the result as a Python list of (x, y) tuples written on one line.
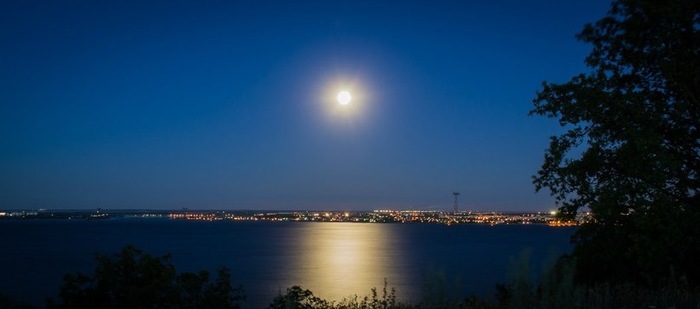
[(631, 149)]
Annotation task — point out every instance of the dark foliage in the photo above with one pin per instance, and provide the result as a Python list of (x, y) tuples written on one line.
[(7, 302), (133, 279), (298, 298), (631, 150)]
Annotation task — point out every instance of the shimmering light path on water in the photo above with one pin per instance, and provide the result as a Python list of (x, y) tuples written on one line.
[(334, 260), (343, 258)]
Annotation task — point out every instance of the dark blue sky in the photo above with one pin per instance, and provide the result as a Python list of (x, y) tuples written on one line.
[(230, 104)]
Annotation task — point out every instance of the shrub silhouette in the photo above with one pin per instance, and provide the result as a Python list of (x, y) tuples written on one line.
[(134, 279)]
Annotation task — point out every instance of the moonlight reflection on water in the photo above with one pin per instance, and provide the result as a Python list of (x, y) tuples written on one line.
[(338, 260)]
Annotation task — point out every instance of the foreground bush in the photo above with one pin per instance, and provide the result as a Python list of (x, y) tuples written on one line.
[(298, 298), (133, 279), (558, 289)]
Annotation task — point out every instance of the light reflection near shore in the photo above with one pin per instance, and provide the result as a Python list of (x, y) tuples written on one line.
[(338, 260)]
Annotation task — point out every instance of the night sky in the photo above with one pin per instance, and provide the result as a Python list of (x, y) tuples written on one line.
[(231, 104)]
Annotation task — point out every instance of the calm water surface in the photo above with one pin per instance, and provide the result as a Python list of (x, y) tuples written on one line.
[(334, 260)]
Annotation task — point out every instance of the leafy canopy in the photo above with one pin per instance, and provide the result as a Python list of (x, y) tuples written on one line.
[(630, 151)]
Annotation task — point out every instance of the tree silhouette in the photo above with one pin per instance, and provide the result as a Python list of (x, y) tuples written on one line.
[(631, 150), (133, 279)]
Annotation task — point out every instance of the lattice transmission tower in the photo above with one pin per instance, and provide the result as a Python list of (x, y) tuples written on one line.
[(456, 205)]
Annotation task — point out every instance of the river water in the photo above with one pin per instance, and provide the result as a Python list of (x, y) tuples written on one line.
[(334, 260)]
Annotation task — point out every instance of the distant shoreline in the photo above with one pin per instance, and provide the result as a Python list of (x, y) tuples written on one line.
[(375, 216)]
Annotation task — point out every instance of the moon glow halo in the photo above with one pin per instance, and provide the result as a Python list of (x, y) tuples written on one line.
[(344, 97)]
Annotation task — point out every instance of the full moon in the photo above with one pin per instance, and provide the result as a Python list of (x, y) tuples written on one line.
[(344, 97)]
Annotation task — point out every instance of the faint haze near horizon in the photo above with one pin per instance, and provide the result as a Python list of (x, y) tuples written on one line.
[(225, 104)]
